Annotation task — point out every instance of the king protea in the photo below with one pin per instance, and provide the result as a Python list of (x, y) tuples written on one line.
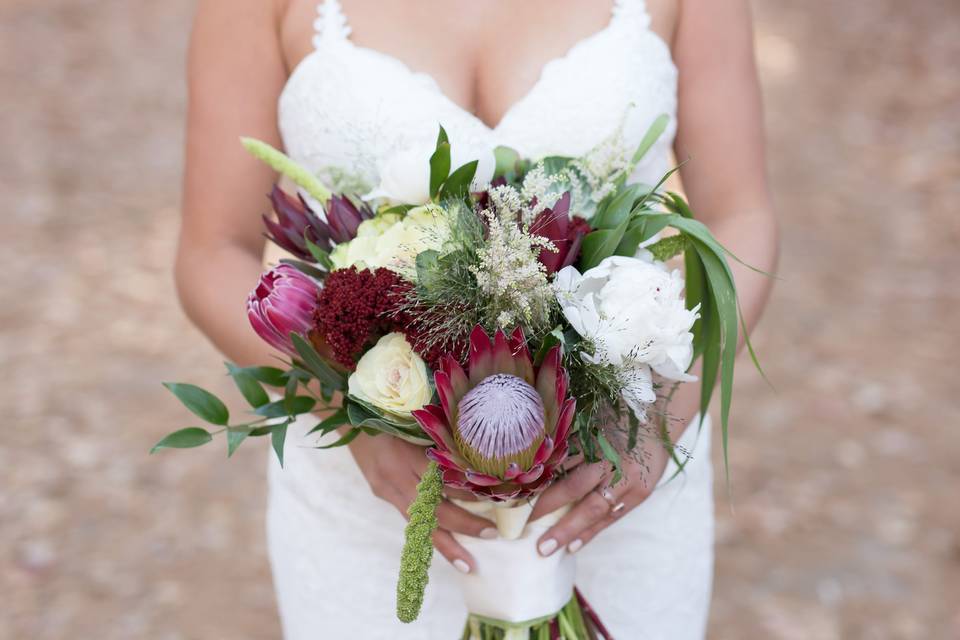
[(500, 430)]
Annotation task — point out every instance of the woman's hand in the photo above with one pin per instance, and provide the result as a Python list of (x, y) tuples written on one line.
[(598, 504), (393, 468)]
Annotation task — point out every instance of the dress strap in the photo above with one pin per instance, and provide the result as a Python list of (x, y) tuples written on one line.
[(633, 12), (331, 23)]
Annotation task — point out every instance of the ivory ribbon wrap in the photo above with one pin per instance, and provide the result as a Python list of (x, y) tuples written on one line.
[(512, 582)]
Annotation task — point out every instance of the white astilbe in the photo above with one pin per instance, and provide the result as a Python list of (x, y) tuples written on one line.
[(538, 192), (508, 272), (603, 165)]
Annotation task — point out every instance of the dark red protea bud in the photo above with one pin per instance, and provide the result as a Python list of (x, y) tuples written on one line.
[(343, 218), (565, 232), (296, 221)]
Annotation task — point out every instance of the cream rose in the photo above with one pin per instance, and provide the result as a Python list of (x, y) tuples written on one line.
[(391, 377), (393, 241)]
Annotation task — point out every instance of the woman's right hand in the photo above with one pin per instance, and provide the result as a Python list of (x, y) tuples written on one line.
[(393, 468)]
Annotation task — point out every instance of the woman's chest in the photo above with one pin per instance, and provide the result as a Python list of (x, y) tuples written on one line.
[(349, 102)]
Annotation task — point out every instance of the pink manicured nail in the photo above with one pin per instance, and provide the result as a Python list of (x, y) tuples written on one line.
[(547, 547), (490, 533), (461, 566), (574, 546)]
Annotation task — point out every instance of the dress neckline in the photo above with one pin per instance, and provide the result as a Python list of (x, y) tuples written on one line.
[(332, 24)]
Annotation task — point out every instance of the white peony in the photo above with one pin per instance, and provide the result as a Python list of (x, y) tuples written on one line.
[(405, 175), (393, 241), (633, 311), (390, 376)]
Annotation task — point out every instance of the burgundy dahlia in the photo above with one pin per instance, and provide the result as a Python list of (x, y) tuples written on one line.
[(500, 431), (297, 221), (283, 302), (564, 231)]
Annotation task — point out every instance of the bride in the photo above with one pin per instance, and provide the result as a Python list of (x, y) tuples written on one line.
[(343, 86)]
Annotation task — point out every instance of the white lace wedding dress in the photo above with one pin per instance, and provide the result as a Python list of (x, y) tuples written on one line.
[(334, 547)]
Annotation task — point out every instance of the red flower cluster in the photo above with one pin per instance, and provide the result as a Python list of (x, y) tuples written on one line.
[(355, 307), (417, 329)]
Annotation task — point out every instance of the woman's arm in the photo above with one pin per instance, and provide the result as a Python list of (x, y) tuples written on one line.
[(720, 130), (235, 73)]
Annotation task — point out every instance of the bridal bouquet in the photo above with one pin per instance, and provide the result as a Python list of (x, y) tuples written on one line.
[(505, 318)]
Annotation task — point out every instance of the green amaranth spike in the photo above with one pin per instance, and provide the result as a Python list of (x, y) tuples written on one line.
[(668, 247), (418, 545), (283, 164)]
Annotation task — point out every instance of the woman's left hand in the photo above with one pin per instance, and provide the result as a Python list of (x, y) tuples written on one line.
[(598, 503)]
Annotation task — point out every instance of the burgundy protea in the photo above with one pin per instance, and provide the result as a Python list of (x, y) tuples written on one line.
[(283, 302), (565, 232), (297, 221), (501, 430)]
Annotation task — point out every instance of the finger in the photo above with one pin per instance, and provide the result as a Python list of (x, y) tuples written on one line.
[(631, 499), (450, 549), (585, 514), (454, 518), (571, 488)]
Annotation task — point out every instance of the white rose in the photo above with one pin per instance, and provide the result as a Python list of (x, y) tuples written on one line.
[(393, 241), (390, 376), (405, 175), (634, 312)]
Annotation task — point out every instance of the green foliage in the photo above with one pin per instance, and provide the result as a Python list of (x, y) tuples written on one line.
[(668, 247), (202, 403), (314, 364), (418, 545), (439, 163), (248, 385), (183, 439)]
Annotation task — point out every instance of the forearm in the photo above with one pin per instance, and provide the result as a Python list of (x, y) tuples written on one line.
[(213, 284)]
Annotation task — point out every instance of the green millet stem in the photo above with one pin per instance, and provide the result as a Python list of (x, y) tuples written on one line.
[(283, 164), (418, 544)]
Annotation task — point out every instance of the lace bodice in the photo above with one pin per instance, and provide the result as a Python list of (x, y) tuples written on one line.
[(345, 107)]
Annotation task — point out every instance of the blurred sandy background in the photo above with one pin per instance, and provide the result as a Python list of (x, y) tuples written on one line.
[(844, 521)]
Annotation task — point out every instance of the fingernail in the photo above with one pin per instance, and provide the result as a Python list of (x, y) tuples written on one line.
[(547, 547), (574, 546), (461, 566), (489, 533)]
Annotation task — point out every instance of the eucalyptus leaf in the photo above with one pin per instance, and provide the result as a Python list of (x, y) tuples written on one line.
[(316, 365), (292, 406), (331, 422), (270, 376), (277, 440), (202, 403), (248, 386), (184, 439), (234, 438), (506, 161)]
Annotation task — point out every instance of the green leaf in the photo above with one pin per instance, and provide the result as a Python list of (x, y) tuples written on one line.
[(641, 229), (506, 161), (202, 403), (347, 438), (320, 255), (612, 456), (612, 214), (248, 386), (183, 439), (331, 422), (650, 137), (439, 163), (550, 340), (600, 245), (292, 406), (278, 437), (304, 268), (316, 364), (234, 438), (270, 376), (694, 292), (458, 184)]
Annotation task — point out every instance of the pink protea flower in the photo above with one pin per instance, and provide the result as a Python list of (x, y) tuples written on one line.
[(500, 431), (283, 302), (564, 231), (296, 220)]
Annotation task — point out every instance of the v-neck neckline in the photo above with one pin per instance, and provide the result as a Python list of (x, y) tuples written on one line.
[(514, 106)]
